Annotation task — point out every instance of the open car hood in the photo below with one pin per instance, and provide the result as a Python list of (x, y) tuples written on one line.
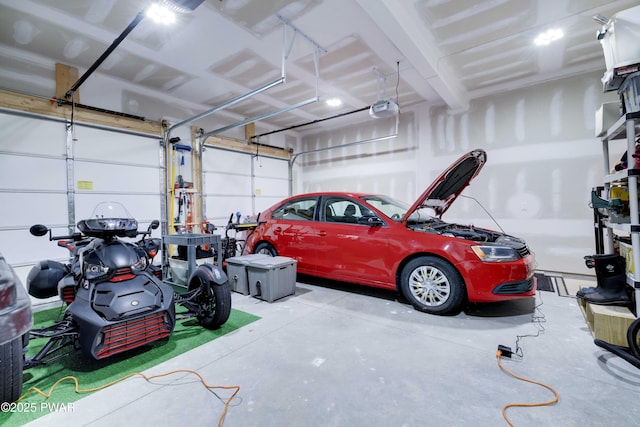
[(446, 188)]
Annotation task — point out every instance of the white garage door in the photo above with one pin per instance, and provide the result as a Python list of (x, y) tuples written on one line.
[(241, 182), (41, 181)]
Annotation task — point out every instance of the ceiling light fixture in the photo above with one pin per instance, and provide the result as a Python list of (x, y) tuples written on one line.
[(161, 14), (548, 37), (334, 102)]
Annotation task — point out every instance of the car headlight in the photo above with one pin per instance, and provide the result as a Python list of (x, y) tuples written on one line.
[(95, 271), (495, 253)]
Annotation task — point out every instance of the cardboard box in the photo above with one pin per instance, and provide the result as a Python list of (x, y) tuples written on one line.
[(272, 278), (626, 251)]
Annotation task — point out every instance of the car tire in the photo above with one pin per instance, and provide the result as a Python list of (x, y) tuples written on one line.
[(633, 337), (265, 248), (432, 285), (11, 363)]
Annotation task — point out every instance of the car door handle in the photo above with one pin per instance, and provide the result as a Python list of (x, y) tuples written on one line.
[(322, 233)]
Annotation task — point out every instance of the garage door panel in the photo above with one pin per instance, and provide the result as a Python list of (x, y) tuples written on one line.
[(268, 167), (104, 145), (19, 247), (32, 173), (219, 207), (26, 209), (225, 161), (141, 207), (271, 187), (118, 178), (218, 183), (31, 136)]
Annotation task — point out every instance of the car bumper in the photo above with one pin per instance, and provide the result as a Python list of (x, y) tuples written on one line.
[(492, 282), (16, 320), (520, 287)]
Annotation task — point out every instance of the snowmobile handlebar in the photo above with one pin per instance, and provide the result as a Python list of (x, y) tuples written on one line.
[(39, 230)]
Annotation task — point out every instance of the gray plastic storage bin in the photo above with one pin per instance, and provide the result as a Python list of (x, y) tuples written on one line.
[(237, 272), (272, 278)]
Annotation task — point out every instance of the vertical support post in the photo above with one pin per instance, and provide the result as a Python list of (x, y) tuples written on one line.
[(165, 161), (203, 180), (162, 178), (65, 76), (196, 173), (254, 158), (71, 193), (249, 131), (633, 209)]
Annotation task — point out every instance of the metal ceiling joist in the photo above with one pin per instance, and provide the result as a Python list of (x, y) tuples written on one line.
[(401, 24)]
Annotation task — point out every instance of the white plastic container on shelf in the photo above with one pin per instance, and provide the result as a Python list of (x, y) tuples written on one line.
[(619, 39)]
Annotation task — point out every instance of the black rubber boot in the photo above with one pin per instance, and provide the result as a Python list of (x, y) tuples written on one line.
[(612, 283), (590, 262)]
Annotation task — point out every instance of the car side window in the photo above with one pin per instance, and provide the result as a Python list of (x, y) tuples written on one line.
[(297, 210), (338, 209)]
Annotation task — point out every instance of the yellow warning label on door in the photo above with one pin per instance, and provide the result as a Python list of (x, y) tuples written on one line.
[(85, 185)]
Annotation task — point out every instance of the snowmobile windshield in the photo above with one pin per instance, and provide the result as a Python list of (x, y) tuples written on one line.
[(109, 219)]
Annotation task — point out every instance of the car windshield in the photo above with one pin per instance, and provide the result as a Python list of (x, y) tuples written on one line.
[(395, 209)]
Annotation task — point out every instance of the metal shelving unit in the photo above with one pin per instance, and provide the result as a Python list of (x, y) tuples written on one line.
[(626, 128), (191, 242)]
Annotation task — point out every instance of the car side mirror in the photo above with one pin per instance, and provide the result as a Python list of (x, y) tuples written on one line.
[(370, 220), (38, 230)]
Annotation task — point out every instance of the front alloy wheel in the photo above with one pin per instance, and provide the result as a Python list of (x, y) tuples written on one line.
[(432, 285)]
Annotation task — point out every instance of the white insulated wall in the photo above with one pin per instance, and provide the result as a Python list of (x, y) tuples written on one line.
[(543, 160)]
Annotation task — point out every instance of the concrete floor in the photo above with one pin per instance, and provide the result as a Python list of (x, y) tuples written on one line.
[(348, 356)]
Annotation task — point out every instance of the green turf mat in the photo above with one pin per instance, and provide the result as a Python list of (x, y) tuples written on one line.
[(91, 373)]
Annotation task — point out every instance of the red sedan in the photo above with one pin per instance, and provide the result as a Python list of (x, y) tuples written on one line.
[(377, 241)]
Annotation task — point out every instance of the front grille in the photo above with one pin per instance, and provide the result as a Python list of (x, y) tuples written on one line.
[(514, 287), (133, 333)]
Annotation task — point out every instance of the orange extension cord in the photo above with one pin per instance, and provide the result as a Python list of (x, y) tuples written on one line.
[(524, 405), (89, 390)]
